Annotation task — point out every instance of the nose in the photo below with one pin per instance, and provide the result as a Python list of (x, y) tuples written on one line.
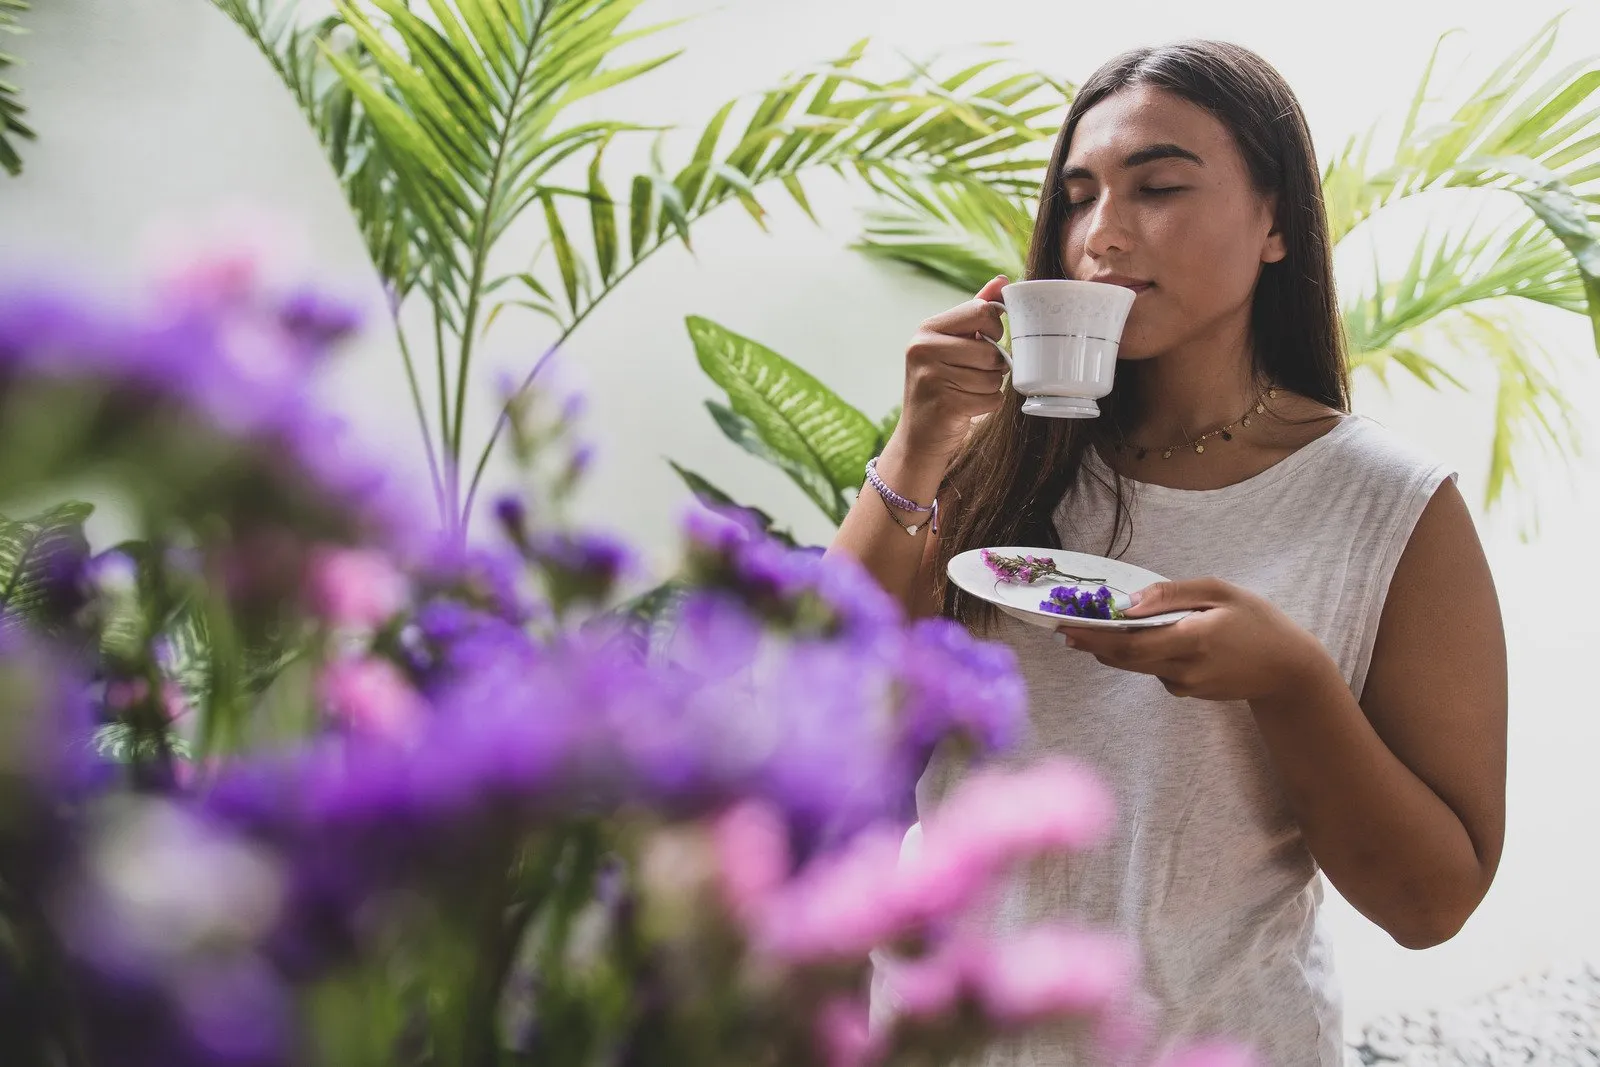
[(1106, 231)]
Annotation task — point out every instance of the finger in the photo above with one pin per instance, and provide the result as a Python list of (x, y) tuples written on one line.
[(1195, 594), (964, 320), (1175, 688), (968, 380), (993, 289), (958, 352), (1146, 648)]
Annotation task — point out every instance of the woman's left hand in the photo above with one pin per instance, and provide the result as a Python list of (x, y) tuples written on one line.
[(1237, 646)]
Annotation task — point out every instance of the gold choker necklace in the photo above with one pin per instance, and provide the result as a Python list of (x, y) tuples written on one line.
[(1198, 444)]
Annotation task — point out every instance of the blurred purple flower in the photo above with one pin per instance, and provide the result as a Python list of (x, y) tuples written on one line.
[(226, 376), (581, 568), (954, 683)]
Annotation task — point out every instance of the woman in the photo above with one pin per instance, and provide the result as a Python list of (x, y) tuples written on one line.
[(1339, 704)]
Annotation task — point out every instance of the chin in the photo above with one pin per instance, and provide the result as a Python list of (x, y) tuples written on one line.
[(1137, 345)]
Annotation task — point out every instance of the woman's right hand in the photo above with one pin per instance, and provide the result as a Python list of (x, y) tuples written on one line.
[(952, 376)]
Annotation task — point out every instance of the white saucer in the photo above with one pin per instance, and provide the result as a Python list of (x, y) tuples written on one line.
[(972, 575)]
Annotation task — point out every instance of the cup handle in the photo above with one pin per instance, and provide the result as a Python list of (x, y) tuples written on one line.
[(998, 346)]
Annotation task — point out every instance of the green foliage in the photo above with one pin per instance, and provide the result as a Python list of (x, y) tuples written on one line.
[(33, 553), (12, 127), (449, 126), (1526, 132), (785, 416)]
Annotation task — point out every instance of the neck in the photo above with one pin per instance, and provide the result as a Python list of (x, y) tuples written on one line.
[(1190, 391)]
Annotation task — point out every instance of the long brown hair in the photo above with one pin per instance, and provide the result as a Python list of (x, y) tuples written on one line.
[(1008, 481)]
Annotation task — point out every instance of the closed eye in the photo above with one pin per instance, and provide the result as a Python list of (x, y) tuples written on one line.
[(1153, 190)]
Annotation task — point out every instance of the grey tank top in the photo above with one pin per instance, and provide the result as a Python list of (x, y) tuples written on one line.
[(1207, 871)]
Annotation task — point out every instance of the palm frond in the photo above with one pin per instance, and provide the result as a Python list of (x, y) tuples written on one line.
[(300, 53), (981, 129), (1531, 413), (1524, 131), (963, 234), (985, 126), (12, 126), (1471, 265), (1515, 114)]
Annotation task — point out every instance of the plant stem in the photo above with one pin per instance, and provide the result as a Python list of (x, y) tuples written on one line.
[(422, 421), (527, 381), (480, 251)]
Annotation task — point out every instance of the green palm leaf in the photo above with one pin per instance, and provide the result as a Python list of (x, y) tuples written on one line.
[(1519, 113), (1530, 411), (966, 234), (1525, 132), (31, 550), (823, 442), (1470, 266), (12, 127), (983, 127)]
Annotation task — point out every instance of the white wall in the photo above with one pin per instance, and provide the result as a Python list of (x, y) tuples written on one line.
[(157, 109)]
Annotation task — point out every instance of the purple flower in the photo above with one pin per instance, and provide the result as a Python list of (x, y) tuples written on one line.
[(316, 321), (1082, 604), (512, 514), (215, 378), (794, 589), (486, 579), (954, 683), (581, 568)]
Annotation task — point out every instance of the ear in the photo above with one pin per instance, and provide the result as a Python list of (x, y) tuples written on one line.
[(1275, 248)]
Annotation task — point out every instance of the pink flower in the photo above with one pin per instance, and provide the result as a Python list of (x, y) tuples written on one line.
[(931, 986), (840, 906), (372, 696), (173, 702), (997, 818), (752, 849), (1049, 972), (124, 693), (843, 1033), (356, 588), (1211, 1054)]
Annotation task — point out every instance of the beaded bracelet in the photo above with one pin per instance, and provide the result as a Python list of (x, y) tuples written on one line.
[(891, 497)]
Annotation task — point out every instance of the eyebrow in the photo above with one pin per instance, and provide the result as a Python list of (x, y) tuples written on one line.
[(1147, 154)]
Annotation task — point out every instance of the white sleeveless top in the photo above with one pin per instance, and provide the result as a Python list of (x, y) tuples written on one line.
[(1207, 871)]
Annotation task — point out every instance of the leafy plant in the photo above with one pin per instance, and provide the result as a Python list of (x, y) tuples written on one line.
[(1526, 134), (496, 830), (12, 128), (37, 556), (448, 127)]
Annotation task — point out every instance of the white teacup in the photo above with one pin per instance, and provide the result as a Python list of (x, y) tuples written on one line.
[(1064, 338)]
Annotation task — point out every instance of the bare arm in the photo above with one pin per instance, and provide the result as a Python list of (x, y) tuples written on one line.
[(901, 563), (1400, 796), (1404, 807), (952, 376)]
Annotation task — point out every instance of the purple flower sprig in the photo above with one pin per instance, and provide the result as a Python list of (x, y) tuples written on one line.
[(1081, 603), (1025, 570)]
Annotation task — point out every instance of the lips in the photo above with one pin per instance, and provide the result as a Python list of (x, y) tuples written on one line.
[(1137, 285)]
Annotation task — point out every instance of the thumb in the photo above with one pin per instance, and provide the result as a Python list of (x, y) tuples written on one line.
[(991, 291), (1174, 596)]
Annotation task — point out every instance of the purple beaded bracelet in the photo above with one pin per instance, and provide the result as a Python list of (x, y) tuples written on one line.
[(892, 497)]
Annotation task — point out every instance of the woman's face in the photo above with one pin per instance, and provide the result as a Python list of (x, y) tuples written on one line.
[(1160, 199)]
